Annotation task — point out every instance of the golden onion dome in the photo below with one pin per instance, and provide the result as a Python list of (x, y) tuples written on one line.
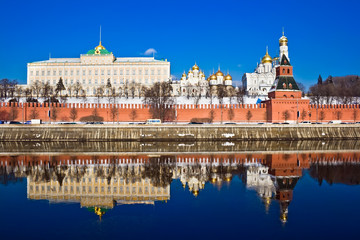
[(228, 77), (190, 71), (213, 77), (219, 73), (266, 58), (184, 74), (100, 47), (283, 41), (195, 67)]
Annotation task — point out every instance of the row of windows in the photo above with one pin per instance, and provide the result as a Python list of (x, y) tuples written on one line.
[(103, 81), (97, 72), (96, 189)]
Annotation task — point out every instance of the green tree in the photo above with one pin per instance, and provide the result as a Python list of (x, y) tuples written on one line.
[(59, 87)]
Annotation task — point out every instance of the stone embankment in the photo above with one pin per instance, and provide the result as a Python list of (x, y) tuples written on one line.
[(177, 133)]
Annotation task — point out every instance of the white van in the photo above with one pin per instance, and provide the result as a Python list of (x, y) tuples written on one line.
[(36, 121), (153, 121)]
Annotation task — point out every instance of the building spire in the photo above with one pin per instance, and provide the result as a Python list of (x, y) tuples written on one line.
[(100, 34), (283, 31)]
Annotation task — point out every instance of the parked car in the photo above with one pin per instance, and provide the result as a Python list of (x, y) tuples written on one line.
[(14, 122), (27, 122), (2, 122), (196, 123)]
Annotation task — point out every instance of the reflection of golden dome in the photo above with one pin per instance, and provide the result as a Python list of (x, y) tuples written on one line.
[(195, 67), (266, 58), (196, 193), (213, 77), (228, 77), (283, 218), (219, 73), (283, 41)]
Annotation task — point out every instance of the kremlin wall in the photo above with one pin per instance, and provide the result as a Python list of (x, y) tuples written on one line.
[(267, 112)]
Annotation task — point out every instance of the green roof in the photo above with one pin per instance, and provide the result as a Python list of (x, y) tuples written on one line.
[(102, 51), (284, 61), (285, 83)]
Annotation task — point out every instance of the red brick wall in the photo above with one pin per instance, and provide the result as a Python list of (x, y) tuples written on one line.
[(186, 112)]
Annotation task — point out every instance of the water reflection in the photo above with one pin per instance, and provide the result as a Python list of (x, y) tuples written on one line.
[(100, 182)]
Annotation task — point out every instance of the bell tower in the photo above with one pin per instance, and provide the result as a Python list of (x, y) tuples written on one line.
[(283, 44)]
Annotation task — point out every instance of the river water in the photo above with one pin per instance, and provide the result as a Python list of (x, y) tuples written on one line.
[(293, 190)]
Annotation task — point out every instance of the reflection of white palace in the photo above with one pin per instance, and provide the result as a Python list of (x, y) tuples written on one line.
[(101, 184)]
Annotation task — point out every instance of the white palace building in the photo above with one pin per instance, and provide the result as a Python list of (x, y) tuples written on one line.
[(96, 68), (259, 82)]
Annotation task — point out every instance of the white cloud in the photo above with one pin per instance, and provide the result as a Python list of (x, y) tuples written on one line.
[(150, 51)]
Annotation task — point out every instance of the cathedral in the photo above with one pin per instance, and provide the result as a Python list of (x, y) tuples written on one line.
[(194, 83), (260, 81)]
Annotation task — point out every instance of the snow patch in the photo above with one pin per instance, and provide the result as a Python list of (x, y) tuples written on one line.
[(228, 135)]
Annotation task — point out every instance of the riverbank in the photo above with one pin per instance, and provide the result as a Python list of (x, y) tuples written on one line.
[(176, 133)]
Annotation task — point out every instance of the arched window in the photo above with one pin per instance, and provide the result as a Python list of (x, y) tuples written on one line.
[(283, 70), (288, 71)]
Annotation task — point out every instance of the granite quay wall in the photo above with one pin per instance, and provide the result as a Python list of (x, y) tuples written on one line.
[(150, 133)]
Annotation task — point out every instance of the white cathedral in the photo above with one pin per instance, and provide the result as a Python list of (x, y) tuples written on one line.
[(259, 82), (196, 84)]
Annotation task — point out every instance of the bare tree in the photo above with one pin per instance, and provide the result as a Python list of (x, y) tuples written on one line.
[(4, 115), (286, 115), (338, 115), (248, 115), (133, 114), (114, 113), (355, 114), (73, 114), (36, 88), (54, 113), (160, 100), (13, 113), (212, 115), (100, 93), (77, 89), (18, 92), (322, 115), (303, 115), (240, 93), (34, 113), (231, 94), (221, 94), (231, 114)]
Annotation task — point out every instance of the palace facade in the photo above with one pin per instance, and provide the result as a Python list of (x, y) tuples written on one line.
[(259, 82), (96, 68)]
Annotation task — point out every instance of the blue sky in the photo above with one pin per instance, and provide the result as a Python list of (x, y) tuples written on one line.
[(323, 35)]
